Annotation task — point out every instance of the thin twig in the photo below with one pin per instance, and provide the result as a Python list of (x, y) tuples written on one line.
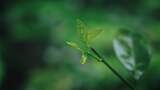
[(113, 70)]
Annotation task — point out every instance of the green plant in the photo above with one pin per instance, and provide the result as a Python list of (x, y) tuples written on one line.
[(86, 37)]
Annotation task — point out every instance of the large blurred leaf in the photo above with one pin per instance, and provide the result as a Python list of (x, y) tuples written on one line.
[(133, 51)]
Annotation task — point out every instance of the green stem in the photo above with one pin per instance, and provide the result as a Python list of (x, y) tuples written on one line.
[(110, 67)]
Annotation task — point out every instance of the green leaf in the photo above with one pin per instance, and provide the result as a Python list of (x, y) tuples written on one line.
[(93, 34), (73, 45), (81, 27), (83, 58), (133, 51)]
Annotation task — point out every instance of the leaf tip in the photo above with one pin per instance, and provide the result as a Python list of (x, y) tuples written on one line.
[(83, 59), (73, 45)]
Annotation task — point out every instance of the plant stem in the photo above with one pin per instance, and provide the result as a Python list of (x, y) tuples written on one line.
[(113, 70)]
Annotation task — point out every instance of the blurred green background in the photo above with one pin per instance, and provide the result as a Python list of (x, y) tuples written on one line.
[(34, 35)]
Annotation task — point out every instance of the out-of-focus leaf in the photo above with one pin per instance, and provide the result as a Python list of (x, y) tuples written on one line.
[(133, 51), (73, 45), (83, 58)]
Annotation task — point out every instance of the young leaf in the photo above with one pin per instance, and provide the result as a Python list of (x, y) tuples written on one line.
[(81, 29), (83, 58), (93, 34), (73, 45)]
